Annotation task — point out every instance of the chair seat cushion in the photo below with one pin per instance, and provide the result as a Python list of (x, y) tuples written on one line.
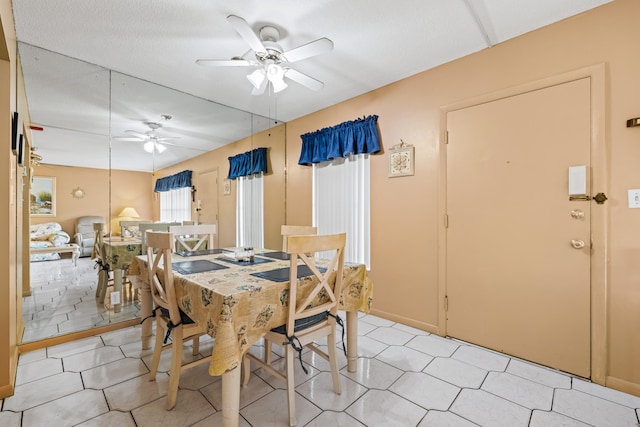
[(184, 319), (302, 323)]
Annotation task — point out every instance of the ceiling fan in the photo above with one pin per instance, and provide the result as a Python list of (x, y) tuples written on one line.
[(270, 59), (152, 142)]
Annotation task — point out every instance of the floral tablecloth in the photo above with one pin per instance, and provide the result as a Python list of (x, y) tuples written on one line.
[(121, 252), (237, 308)]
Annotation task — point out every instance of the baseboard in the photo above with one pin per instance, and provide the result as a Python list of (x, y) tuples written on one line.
[(36, 345), (433, 329), (623, 385), (8, 389)]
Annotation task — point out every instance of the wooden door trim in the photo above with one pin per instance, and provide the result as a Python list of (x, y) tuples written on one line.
[(216, 237), (599, 213)]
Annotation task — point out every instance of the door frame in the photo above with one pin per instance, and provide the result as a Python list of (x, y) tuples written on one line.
[(217, 212), (599, 213)]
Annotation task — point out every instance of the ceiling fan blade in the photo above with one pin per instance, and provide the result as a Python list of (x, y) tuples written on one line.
[(167, 138), (308, 50), (224, 62), (245, 31), (138, 134), (303, 79), (127, 138)]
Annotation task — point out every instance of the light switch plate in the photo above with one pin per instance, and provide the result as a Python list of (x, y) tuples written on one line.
[(115, 297), (634, 198)]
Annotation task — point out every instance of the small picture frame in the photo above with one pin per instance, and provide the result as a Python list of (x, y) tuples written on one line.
[(227, 187), (21, 150), (401, 160), (43, 196), (14, 134)]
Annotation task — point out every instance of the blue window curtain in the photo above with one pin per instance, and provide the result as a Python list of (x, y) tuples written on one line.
[(179, 180), (358, 136), (249, 163)]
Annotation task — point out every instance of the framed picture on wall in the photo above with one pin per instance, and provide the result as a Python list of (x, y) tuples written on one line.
[(42, 196), (401, 161), (14, 134)]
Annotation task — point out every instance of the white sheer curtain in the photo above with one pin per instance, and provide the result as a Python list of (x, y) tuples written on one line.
[(250, 211), (175, 205), (341, 203)]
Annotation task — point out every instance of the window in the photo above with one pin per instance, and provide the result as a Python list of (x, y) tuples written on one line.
[(175, 205), (250, 211), (341, 203)]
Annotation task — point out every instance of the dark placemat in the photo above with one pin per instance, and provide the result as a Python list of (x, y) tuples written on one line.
[(282, 274), (276, 255), (196, 266), (256, 260), (200, 252)]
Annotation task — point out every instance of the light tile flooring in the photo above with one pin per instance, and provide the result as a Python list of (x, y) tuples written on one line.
[(63, 300), (406, 377)]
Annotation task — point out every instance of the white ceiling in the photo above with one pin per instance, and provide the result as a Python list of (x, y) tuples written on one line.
[(376, 42)]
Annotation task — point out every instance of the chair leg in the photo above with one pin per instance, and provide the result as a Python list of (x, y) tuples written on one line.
[(246, 370), (196, 346), (102, 284), (291, 392), (157, 351), (176, 363), (267, 351), (333, 362)]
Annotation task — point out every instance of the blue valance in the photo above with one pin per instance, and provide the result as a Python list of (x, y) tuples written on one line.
[(353, 137), (254, 161), (179, 180)]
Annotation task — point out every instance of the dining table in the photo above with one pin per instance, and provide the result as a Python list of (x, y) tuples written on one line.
[(237, 301), (120, 253)]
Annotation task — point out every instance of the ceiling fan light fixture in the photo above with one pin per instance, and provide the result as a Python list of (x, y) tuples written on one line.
[(275, 74), (148, 146), (257, 78), (160, 147)]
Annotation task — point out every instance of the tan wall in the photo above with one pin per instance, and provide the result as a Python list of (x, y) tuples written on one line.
[(274, 186), (128, 189), (404, 211)]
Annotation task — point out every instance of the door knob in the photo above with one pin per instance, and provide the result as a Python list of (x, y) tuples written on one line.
[(577, 244)]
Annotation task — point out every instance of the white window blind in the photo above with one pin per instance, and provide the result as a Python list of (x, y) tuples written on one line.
[(175, 205), (250, 211), (341, 203)]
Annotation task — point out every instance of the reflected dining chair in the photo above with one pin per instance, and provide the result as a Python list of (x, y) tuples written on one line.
[(97, 254), (171, 321), (312, 311), (193, 237), (295, 230)]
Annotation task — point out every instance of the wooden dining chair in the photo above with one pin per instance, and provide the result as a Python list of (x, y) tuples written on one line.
[(171, 321), (312, 311), (295, 230), (192, 237)]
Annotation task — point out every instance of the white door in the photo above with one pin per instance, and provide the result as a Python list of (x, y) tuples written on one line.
[(517, 280)]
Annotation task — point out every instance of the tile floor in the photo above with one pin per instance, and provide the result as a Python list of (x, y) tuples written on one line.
[(63, 300), (406, 377)]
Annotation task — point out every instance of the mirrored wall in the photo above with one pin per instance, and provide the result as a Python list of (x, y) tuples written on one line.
[(92, 128)]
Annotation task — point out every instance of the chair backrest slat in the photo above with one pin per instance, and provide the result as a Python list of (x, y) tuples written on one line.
[(296, 230), (192, 237), (98, 242), (304, 248)]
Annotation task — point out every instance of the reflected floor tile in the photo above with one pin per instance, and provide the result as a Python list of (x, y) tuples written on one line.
[(487, 409), (67, 411), (425, 390), (519, 390), (445, 419), (272, 410), (74, 347), (481, 358), (405, 358), (592, 410), (456, 372), (385, 409)]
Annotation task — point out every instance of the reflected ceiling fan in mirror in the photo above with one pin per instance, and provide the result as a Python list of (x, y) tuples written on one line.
[(269, 59), (152, 142)]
